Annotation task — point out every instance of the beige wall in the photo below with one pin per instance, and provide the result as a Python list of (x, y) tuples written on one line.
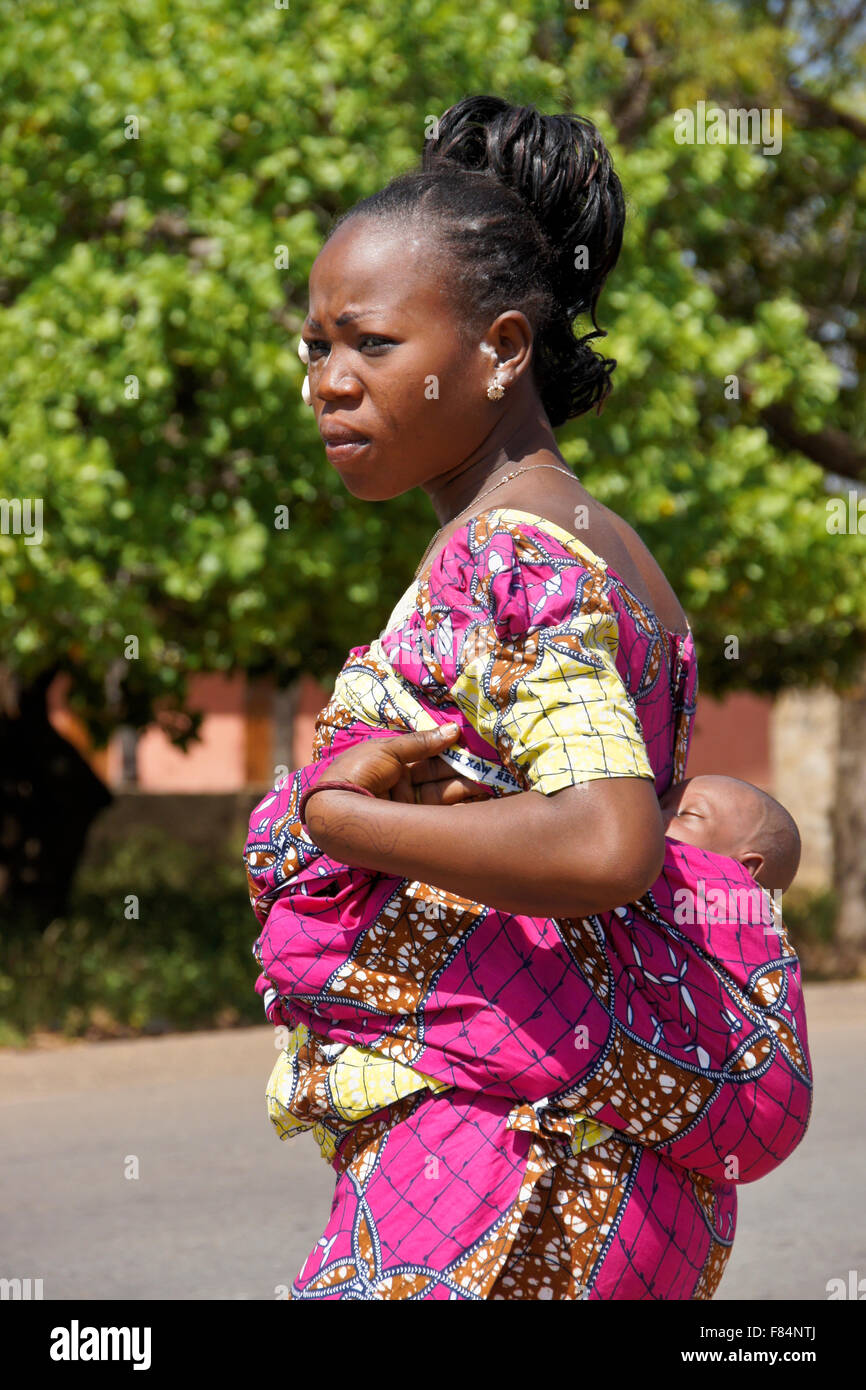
[(804, 735)]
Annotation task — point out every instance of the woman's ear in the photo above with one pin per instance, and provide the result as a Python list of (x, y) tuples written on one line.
[(508, 343)]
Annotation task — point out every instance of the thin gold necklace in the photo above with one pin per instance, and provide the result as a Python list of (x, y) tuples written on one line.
[(527, 468)]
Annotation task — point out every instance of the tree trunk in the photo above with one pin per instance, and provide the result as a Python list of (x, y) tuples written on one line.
[(48, 797), (285, 712)]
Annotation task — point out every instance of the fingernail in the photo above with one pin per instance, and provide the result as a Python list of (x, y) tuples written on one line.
[(449, 729)]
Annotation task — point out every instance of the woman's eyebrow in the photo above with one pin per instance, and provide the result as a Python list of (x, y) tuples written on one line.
[(348, 316)]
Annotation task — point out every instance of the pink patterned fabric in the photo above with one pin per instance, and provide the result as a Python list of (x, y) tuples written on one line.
[(676, 1023)]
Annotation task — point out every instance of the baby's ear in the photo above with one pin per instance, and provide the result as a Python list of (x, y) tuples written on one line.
[(754, 862)]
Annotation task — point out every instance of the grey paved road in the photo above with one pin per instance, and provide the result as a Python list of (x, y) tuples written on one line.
[(222, 1210)]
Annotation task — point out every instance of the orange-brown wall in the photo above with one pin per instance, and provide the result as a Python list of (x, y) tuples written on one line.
[(236, 746), (732, 736)]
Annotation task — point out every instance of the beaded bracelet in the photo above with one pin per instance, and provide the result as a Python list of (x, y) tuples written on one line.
[(333, 786)]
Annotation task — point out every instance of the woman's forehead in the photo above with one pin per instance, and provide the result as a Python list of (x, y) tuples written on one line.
[(376, 270)]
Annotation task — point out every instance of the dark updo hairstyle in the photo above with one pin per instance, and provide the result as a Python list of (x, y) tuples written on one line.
[(512, 194)]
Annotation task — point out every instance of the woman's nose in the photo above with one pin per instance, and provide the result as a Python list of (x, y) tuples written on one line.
[(335, 379)]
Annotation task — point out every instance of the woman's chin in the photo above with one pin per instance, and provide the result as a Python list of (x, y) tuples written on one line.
[(368, 489), (370, 483)]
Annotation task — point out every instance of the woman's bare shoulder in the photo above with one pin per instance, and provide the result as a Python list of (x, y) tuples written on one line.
[(646, 577), (613, 539)]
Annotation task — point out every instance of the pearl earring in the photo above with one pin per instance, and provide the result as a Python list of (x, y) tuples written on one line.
[(495, 390), (304, 354)]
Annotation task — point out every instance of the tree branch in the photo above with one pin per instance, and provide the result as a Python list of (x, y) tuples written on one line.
[(828, 43), (823, 114), (631, 108), (831, 448)]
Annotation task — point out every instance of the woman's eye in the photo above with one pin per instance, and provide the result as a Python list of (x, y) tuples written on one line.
[(376, 340), (318, 346)]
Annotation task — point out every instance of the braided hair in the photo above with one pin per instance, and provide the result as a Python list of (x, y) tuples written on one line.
[(528, 214)]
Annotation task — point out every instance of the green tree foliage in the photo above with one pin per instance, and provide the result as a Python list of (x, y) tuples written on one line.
[(159, 160)]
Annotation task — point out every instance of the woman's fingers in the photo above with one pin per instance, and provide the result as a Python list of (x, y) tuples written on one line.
[(433, 769), (449, 792), (423, 743), (433, 783), (403, 790), (424, 778)]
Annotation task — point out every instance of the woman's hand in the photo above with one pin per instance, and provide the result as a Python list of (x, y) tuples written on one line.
[(433, 782), (394, 768)]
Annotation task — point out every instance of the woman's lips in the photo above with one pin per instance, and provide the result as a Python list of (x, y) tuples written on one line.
[(342, 450)]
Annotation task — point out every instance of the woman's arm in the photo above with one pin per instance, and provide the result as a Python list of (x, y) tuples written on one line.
[(581, 850)]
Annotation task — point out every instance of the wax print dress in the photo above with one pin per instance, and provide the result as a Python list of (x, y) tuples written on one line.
[(522, 1107)]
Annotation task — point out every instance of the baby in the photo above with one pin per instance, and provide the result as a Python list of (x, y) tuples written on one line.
[(734, 818)]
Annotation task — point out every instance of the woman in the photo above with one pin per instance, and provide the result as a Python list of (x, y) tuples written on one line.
[(445, 969)]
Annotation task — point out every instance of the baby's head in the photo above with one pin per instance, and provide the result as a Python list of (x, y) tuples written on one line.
[(736, 819)]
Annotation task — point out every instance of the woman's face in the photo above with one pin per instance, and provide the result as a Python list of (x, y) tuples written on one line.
[(386, 362)]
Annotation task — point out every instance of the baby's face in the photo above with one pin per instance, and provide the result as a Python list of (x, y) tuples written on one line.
[(736, 819), (712, 812)]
